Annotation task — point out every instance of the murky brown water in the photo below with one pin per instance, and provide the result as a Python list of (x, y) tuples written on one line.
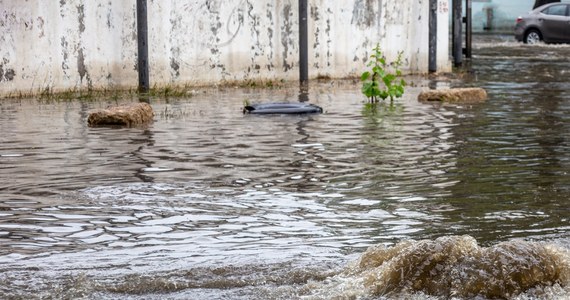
[(207, 203)]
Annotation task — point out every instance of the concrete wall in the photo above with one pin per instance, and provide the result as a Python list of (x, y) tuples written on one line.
[(91, 44)]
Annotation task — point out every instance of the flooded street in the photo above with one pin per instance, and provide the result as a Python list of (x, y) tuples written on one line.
[(208, 203)]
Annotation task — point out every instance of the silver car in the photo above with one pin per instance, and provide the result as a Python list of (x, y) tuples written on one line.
[(549, 23)]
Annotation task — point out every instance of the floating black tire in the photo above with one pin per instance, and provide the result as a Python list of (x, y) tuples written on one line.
[(282, 108)]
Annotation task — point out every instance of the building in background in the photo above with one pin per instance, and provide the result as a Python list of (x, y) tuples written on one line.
[(498, 15)]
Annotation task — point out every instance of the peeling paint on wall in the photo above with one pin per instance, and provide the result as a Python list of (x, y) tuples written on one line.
[(175, 67), (286, 36), (364, 13), (8, 74), (93, 44), (81, 69), (81, 18), (65, 56)]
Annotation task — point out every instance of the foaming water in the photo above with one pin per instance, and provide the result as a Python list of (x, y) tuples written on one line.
[(453, 266)]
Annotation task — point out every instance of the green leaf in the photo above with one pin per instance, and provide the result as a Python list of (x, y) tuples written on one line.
[(376, 69), (379, 82), (367, 89), (388, 79)]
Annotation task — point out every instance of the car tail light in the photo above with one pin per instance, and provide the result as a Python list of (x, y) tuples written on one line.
[(519, 19)]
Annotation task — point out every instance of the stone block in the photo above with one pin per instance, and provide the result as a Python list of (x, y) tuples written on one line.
[(125, 115), (457, 95)]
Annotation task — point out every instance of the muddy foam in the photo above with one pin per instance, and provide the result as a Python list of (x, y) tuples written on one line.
[(452, 267)]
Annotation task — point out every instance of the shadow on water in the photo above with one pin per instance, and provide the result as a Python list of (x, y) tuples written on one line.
[(411, 200)]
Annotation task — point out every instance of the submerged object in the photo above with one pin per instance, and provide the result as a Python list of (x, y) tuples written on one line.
[(282, 108)]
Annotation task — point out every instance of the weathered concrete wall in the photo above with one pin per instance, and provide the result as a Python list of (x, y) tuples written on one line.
[(81, 44), (66, 45)]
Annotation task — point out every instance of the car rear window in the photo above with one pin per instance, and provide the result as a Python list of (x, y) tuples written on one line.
[(556, 10)]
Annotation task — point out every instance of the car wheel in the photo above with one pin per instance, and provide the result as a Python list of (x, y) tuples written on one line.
[(533, 36)]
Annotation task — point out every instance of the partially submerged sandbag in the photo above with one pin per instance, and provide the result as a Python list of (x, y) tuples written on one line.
[(124, 115), (283, 108), (460, 95)]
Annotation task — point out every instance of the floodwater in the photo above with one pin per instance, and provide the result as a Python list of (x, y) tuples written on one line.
[(415, 200)]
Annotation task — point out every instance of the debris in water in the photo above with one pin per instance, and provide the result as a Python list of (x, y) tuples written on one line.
[(462, 95), (124, 115)]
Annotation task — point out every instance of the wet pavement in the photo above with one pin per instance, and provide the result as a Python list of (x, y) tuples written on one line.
[(209, 203)]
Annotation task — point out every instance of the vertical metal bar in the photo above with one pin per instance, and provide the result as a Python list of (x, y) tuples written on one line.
[(432, 36), (142, 39), (457, 33), (303, 43), (468, 29)]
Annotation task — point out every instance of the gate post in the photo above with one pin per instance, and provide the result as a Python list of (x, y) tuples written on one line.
[(142, 41), (432, 36), (457, 33), (303, 43)]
